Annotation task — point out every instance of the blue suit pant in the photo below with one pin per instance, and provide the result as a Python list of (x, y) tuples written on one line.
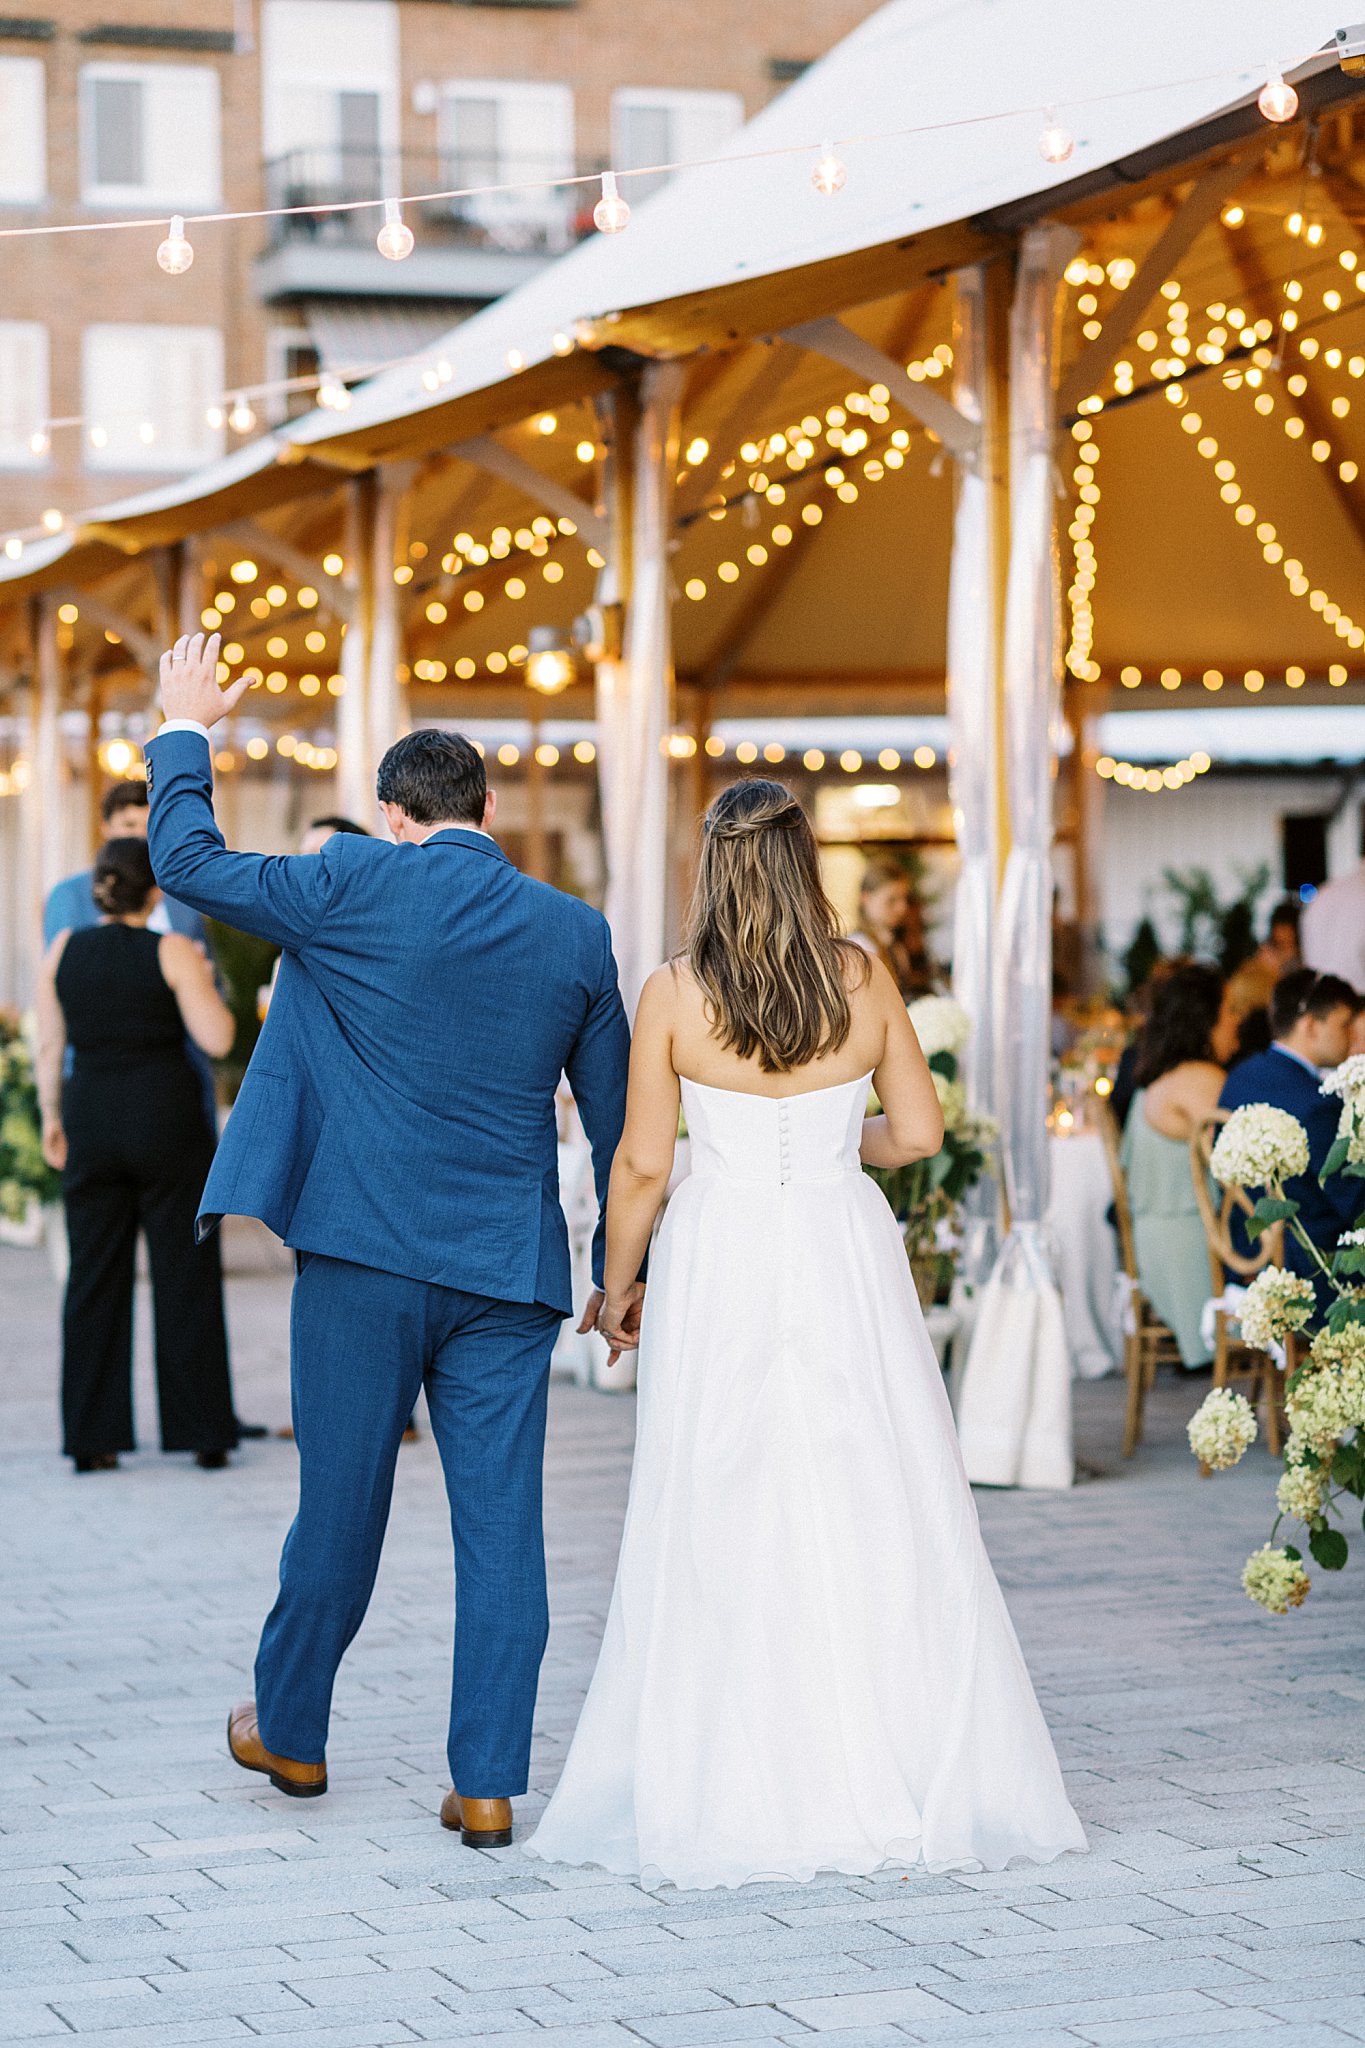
[(363, 1344)]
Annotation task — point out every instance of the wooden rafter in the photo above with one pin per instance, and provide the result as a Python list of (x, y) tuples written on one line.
[(961, 436), (1319, 423), (284, 555), (1207, 197), (770, 370), (144, 647), (483, 452)]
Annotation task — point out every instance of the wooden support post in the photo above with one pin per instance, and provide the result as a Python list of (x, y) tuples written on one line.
[(355, 787), (43, 800), (93, 774), (387, 696)]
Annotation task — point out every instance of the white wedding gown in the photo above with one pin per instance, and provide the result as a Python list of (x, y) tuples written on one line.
[(808, 1664)]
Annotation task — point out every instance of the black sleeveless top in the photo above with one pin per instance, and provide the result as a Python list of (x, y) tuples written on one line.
[(118, 1007)]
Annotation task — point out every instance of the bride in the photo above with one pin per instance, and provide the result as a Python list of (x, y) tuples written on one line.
[(807, 1664)]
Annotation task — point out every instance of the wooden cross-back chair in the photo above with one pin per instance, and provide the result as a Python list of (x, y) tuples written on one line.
[(1233, 1359), (1147, 1340)]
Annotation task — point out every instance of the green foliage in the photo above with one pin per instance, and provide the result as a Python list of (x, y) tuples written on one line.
[(1209, 928), (1142, 955), (929, 1191), (245, 964), (1269, 1210), (25, 1175), (1329, 1547)]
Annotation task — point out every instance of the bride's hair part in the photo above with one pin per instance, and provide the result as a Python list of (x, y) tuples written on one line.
[(763, 937)]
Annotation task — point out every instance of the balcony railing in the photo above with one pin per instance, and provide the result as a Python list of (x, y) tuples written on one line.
[(533, 217)]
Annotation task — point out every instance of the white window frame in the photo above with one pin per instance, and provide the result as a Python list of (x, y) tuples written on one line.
[(172, 192), (511, 216), (669, 100), (32, 190), (279, 74), (125, 454), (18, 455)]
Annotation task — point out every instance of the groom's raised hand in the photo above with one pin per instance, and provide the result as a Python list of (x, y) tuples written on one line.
[(189, 681)]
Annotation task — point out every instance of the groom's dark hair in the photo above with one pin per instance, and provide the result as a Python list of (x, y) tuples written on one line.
[(435, 776)]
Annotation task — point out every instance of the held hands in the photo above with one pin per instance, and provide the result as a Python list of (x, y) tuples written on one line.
[(189, 681), (615, 1317)]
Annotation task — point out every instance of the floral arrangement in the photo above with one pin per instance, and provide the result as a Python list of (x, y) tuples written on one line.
[(926, 1195), (1324, 1456), (25, 1176)]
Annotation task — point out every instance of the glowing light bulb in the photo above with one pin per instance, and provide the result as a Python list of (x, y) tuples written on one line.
[(40, 442), (1056, 143), (829, 175), (395, 239), (1277, 101), (611, 213), (175, 254), (333, 394), (241, 418)]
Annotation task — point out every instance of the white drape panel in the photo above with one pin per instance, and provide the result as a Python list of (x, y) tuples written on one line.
[(633, 696), (1015, 1413), (972, 764)]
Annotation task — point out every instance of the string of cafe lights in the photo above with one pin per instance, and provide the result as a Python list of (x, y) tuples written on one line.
[(1153, 781), (1250, 339), (1277, 100)]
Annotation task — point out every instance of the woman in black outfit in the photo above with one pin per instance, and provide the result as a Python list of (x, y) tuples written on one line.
[(127, 1130)]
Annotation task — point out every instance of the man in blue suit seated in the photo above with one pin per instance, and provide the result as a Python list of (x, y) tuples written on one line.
[(396, 1127), (1310, 1024)]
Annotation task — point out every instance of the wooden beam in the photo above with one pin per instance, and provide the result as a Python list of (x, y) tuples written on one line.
[(961, 436), (769, 371), (483, 452), (1316, 418), (145, 647), (246, 533), (1207, 197)]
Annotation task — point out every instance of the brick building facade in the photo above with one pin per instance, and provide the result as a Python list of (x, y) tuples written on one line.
[(114, 375)]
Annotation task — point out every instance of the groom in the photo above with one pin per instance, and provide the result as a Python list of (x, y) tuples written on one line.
[(396, 1127)]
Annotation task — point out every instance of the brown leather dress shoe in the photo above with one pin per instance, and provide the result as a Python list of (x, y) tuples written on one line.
[(300, 1781), (482, 1823)]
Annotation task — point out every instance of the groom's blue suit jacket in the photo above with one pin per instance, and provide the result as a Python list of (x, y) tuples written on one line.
[(398, 1110)]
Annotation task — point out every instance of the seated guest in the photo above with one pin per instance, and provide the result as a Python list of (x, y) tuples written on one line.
[(1311, 1016), (1279, 952), (1121, 1098), (1184, 1048)]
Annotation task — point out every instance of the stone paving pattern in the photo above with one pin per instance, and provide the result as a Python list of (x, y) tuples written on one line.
[(152, 1893)]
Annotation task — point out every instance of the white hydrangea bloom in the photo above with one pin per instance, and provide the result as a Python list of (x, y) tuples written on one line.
[(1351, 1237), (1300, 1492), (1327, 1397), (952, 1100), (941, 1025), (1275, 1580), (1347, 1080), (1259, 1145), (1275, 1304), (1222, 1429)]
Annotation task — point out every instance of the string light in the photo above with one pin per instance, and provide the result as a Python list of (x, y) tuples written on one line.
[(611, 215), (829, 175), (1152, 780), (333, 394), (241, 418), (1056, 144), (1277, 101), (395, 239), (175, 254)]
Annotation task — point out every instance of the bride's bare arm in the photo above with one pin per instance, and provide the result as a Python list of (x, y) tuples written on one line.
[(911, 1126), (644, 1157)]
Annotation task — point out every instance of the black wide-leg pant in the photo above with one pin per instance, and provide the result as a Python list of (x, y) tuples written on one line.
[(139, 1151)]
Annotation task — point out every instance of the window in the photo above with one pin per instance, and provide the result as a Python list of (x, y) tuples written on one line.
[(330, 113), (146, 396), (23, 393), (495, 132), (669, 128), (149, 135), (23, 137)]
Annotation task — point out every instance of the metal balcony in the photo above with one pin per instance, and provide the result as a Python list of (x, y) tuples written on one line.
[(469, 249)]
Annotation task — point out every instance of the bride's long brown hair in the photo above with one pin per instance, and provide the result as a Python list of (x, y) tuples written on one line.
[(763, 937)]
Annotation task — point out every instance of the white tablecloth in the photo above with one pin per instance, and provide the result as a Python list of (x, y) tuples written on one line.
[(1085, 1251)]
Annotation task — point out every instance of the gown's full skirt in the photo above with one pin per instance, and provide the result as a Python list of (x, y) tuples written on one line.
[(807, 1663)]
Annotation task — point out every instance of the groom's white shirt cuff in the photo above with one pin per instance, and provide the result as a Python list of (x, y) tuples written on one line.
[(183, 725)]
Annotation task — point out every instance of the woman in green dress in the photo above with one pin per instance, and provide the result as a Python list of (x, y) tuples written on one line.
[(1189, 1036)]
